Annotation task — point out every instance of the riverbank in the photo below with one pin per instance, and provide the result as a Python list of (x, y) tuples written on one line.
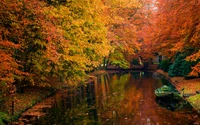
[(14, 105), (129, 107), (191, 88), (30, 104), (32, 101)]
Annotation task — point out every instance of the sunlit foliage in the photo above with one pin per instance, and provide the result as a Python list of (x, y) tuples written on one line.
[(41, 39), (121, 30)]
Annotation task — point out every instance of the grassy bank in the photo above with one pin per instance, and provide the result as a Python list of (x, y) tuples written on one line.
[(190, 86)]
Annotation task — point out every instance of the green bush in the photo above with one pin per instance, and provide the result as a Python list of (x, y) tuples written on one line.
[(4, 117), (181, 67), (117, 59), (135, 62), (164, 65), (121, 63)]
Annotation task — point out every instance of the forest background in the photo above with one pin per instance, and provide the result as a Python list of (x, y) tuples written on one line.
[(66, 39)]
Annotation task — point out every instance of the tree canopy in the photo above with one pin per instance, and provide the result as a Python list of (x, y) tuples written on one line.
[(173, 26), (67, 38), (62, 39)]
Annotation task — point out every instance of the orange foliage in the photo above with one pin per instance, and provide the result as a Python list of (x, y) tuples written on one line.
[(121, 29), (174, 26), (195, 70), (57, 38), (8, 65)]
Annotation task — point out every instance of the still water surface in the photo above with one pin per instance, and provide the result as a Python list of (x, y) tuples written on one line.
[(119, 99)]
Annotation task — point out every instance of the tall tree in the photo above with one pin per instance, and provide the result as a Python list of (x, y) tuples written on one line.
[(63, 39), (85, 30), (174, 27), (122, 32)]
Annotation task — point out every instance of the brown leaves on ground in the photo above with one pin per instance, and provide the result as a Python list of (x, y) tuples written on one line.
[(190, 87), (24, 101)]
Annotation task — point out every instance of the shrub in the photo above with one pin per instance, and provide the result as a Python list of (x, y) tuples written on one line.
[(181, 67), (135, 62), (4, 118), (164, 65), (121, 63)]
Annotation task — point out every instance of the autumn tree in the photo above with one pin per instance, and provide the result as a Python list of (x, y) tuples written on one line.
[(85, 31), (121, 32), (174, 27), (41, 39), (11, 33)]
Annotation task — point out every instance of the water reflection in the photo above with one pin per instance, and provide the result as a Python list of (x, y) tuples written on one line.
[(171, 103), (118, 99)]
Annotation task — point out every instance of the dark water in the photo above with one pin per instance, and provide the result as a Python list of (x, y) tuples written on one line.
[(119, 99)]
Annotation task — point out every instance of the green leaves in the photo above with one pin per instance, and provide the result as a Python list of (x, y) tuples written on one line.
[(117, 59), (180, 66), (4, 117)]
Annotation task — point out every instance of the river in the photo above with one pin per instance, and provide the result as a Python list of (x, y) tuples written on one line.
[(125, 98)]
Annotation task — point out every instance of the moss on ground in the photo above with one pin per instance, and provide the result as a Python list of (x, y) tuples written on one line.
[(195, 101), (190, 87)]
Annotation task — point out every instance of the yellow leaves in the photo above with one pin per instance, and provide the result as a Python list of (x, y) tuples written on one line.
[(53, 39), (132, 3), (124, 3), (102, 52)]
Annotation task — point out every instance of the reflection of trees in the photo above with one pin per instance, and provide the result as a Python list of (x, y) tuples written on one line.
[(79, 114), (72, 107), (111, 99), (115, 99), (131, 101), (112, 90)]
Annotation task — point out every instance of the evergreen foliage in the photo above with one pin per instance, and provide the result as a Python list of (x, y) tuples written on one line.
[(180, 66), (164, 65), (135, 62)]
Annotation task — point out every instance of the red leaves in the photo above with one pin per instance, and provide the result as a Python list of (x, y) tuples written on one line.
[(195, 70), (175, 25), (8, 67), (8, 44)]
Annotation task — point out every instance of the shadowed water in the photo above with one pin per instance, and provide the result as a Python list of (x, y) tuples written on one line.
[(119, 99)]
